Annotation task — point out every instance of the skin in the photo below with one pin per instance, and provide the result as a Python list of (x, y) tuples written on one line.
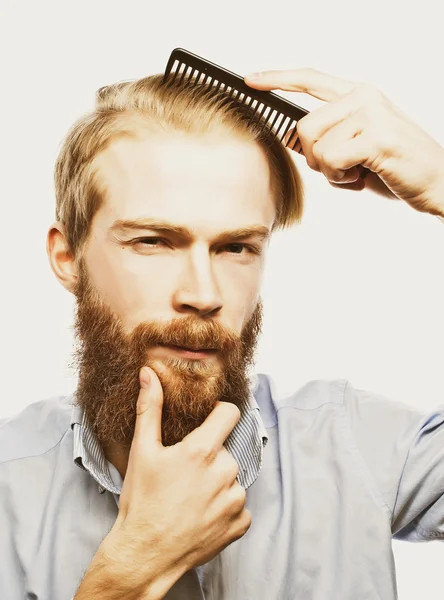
[(211, 184)]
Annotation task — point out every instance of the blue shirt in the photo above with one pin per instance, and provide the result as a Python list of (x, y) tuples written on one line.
[(332, 474)]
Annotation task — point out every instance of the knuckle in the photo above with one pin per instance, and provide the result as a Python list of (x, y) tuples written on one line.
[(246, 520), (368, 93), (227, 466), (389, 146), (335, 163), (200, 453), (241, 525), (304, 127), (233, 411), (318, 151), (232, 470), (326, 157), (239, 498), (308, 72), (364, 115), (311, 162)]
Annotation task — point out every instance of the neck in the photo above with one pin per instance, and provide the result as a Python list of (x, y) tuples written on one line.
[(118, 457)]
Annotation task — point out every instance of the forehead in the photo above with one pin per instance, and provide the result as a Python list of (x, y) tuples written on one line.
[(214, 178)]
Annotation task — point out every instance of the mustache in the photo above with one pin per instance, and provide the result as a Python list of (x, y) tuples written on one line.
[(188, 332), (101, 334)]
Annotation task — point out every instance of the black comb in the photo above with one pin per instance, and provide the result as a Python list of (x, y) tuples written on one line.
[(277, 113)]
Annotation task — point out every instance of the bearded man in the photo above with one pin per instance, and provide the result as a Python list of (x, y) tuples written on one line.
[(173, 471)]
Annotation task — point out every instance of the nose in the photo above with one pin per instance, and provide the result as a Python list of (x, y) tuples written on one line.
[(198, 291)]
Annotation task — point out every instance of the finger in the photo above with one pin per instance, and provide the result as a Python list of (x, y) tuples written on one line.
[(216, 428), (342, 178), (313, 82), (356, 186), (226, 464), (335, 154), (316, 124), (148, 428)]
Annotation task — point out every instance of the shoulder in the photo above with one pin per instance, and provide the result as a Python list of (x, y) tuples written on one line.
[(311, 396), (36, 429), (367, 409), (318, 392)]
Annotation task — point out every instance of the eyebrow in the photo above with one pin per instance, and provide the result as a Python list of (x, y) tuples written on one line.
[(124, 226)]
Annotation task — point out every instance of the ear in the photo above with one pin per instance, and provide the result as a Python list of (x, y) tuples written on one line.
[(62, 262)]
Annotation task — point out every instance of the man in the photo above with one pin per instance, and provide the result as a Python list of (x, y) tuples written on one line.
[(165, 481)]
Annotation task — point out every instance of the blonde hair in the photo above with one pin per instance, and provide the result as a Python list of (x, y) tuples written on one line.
[(123, 109)]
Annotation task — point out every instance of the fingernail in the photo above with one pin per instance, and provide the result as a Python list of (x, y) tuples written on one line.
[(145, 378), (254, 76)]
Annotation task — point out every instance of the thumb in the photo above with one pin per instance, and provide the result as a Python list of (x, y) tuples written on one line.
[(149, 408)]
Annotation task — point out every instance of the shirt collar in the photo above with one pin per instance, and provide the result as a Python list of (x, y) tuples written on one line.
[(246, 443)]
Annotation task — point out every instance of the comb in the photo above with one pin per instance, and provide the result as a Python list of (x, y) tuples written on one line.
[(277, 113)]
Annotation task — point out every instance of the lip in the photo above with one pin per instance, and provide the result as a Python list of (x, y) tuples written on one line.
[(188, 353)]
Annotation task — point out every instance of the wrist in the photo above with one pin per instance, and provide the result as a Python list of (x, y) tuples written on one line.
[(137, 573), (438, 194)]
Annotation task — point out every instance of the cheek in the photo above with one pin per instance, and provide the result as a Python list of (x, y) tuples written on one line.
[(134, 288), (240, 287)]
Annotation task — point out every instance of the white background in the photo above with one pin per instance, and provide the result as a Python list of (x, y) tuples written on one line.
[(356, 291)]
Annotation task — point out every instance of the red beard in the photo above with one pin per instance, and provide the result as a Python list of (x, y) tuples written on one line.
[(109, 360)]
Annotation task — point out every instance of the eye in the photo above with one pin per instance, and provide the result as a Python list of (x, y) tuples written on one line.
[(236, 248), (154, 242)]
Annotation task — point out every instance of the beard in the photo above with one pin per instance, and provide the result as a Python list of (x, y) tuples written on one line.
[(108, 361)]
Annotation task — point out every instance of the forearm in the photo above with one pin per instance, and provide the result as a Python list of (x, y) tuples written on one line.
[(100, 581), (111, 576)]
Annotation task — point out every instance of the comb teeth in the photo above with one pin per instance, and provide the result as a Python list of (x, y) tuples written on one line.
[(277, 113)]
